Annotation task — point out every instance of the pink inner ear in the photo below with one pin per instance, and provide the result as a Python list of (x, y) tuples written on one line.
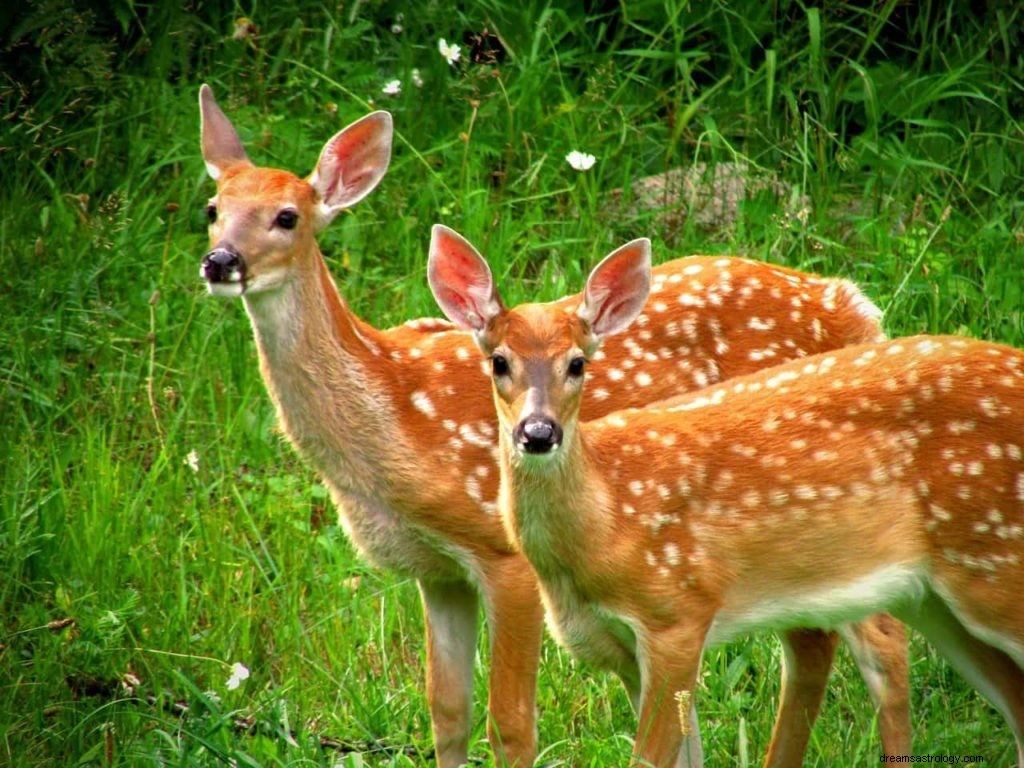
[(458, 268), (455, 303), (353, 162), (460, 287), (329, 171), (618, 287), (609, 313), (460, 280)]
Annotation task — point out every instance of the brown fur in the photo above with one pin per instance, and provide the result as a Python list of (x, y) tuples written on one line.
[(696, 517), (399, 424)]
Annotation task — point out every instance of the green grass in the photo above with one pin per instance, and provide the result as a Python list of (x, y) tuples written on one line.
[(899, 124)]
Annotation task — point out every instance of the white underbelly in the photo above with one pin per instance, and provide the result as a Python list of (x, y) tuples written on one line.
[(825, 607)]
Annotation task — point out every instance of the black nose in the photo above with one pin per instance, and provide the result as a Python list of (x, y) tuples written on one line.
[(538, 435), (220, 263)]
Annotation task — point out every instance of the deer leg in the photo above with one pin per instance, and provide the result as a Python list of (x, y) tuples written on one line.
[(516, 622), (879, 646), (806, 664), (692, 753), (450, 610), (668, 735), (991, 671)]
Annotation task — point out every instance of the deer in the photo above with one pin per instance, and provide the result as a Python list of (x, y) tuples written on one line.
[(399, 426), (886, 476)]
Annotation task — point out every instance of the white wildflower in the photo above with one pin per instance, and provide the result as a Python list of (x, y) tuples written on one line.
[(417, 78), (580, 161), (452, 53), (192, 460), (239, 672), (392, 87), (396, 28)]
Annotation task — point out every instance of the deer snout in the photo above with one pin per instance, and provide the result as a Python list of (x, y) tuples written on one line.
[(537, 435), (222, 265)]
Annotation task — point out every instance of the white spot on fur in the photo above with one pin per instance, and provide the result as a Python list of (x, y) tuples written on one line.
[(423, 404), (760, 324), (472, 436), (672, 554), (688, 300), (989, 406), (805, 492)]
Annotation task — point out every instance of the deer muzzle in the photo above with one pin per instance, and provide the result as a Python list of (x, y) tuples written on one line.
[(537, 435), (223, 265)]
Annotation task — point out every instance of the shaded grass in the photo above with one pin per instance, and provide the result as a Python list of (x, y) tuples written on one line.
[(114, 366)]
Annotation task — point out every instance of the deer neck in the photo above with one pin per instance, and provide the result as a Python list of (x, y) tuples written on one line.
[(555, 513), (323, 370)]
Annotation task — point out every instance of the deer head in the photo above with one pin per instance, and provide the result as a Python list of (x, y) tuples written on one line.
[(263, 222), (539, 363)]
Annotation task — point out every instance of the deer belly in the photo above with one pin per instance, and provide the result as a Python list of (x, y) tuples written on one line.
[(824, 606), (381, 536)]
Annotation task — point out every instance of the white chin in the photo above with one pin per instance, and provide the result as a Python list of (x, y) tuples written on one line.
[(538, 460), (227, 290)]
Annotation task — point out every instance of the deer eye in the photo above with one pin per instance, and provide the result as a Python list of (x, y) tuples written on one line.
[(287, 219), (211, 213), (576, 366), (499, 365)]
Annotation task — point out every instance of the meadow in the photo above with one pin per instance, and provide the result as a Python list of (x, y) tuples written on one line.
[(155, 528)]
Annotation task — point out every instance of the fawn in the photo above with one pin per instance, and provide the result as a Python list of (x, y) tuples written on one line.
[(399, 425), (879, 477)]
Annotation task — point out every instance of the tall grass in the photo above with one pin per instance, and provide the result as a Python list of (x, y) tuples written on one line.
[(145, 492)]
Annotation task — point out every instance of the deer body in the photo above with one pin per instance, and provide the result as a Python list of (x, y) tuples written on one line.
[(399, 425), (881, 477), (808, 495)]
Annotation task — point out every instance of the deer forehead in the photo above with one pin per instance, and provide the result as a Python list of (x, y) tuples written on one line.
[(540, 332), (263, 186)]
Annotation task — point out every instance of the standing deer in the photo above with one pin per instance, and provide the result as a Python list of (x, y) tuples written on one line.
[(399, 426), (880, 477)]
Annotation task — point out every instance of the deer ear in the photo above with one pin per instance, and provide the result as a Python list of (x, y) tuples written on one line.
[(617, 289), (462, 282), (352, 163), (221, 146)]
